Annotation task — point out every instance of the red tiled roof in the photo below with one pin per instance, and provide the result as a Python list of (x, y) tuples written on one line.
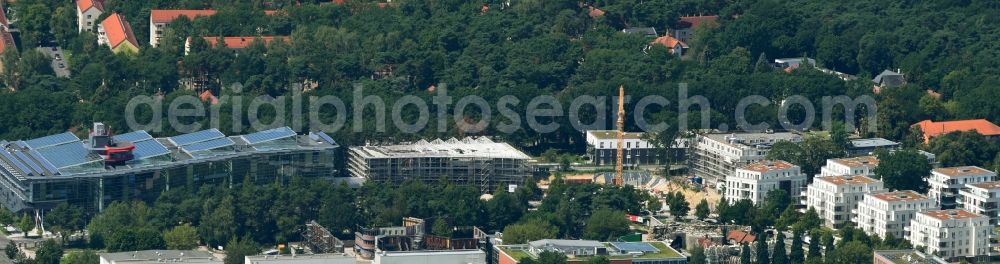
[(118, 31), (208, 96), (696, 21), (595, 12), (740, 237), (668, 41), (6, 40), (85, 5), (953, 214), (166, 16), (768, 165), (243, 42), (933, 129)]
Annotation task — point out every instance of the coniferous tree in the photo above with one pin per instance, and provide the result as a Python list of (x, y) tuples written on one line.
[(779, 256), (796, 255), (745, 254), (762, 254)]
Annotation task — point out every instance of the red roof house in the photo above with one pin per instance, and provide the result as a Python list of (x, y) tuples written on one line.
[(933, 129)]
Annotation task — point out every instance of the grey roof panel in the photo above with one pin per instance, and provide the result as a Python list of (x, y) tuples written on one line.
[(149, 148), (268, 135), (195, 137), (209, 145), (68, 154), (31, 163), (52, 140), (134, 136)]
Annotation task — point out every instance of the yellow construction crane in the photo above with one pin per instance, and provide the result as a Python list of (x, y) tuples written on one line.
[(618, 181)]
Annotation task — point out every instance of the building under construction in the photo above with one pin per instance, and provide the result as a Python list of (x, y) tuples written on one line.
[(479, 162)]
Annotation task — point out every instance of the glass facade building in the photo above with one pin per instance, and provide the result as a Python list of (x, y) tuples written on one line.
[(41, 173)]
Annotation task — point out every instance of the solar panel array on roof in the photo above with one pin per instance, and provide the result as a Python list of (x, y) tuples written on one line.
[(148, 148), (69, 154), (51, 140), (41, 160), (634, 247), (268, 135), (20, 166), (195, 137), (208, 145), (31, 163), (134, 136)]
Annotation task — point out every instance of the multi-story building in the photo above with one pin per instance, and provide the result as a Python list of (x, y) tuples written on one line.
[(116, 32), (478, 162), (889, 213), (715, 156), (753, 181), (834, 197), (158, 20), (233, 43), (685, 27), (982, 198), (159, 256), (87, 12), (602, 149), (945, 183), (44, 172), (951, 233), (864, 165)]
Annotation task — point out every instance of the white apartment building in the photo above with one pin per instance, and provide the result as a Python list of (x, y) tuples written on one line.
[(945, 183), (835, 197), (602, 149), (889, 213), (863, 165), (87, 12), (716, 156), (753, 181), (951, 233), (982, 198)]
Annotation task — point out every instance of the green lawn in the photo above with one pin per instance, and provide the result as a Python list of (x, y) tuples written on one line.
[(665, 251)]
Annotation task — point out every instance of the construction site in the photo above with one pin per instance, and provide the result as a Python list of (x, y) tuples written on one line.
[(478, 162)]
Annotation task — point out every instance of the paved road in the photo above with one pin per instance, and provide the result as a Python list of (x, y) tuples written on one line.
[(3, 244), (58, 64)]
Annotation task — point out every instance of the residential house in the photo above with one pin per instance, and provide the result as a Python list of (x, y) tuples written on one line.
[(888, 79), (116, 32), (864, 165), (868, 146), (87, 12), (672, 44), (685, 27), (714, 156), (234, 43), (602, 149), (933, 129)]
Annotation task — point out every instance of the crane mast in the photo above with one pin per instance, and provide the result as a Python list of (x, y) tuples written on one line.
[(618, 181)]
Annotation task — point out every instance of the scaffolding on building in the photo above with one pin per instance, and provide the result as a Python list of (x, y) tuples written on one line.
[(318, 239)]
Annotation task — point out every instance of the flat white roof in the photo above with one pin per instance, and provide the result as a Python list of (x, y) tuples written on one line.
[(468, 147)]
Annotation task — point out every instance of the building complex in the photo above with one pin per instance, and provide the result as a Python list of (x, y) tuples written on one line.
[(835, 197), (43, 172), (582, 251), (602, 147)]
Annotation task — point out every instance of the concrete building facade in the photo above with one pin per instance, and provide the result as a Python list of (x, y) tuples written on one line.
[(835, 197), (87, 12), (754, 181), (602, 149), (889, 213), (945, 183)]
